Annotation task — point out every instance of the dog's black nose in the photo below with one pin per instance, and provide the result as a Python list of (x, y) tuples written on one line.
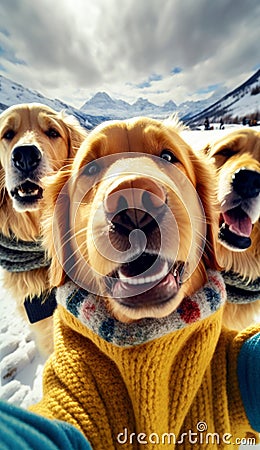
[(26, 157), (246, 183)]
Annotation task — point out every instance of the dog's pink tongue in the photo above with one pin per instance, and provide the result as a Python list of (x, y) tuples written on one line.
[(238, 221)]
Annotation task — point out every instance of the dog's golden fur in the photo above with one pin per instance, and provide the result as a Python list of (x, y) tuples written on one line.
[(57, 137), (83, 230), (240, 149)]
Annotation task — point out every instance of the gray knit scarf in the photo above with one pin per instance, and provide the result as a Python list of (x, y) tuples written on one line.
[(19, 256), (240, 290), (93, 314)]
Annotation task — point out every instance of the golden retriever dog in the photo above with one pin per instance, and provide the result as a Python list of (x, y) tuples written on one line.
[(34, 141), (237, 159), (140, 354), (156, 207)]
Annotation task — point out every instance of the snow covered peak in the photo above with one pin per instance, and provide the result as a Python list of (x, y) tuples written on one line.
[(142, 103), (102, 103), (100, 100), (12, 93), (170, 105)]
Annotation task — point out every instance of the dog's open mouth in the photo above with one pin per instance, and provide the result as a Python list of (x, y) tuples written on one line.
[(149, 280), (27, 192), (236, 228)]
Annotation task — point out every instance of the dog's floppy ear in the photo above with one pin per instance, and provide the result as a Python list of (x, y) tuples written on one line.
[(55, 224), (76, 133), (3, 192), (206, 178)]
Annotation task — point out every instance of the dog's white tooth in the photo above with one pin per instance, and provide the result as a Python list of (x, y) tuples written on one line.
[(21, 193), (26, 194), (144, 280)]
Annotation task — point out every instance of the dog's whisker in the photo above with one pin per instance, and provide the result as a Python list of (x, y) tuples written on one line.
[(81, 203), (71, 237)]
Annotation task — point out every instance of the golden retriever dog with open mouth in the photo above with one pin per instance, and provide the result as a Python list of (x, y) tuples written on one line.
[(142, 223), (34, 141), (237, 159), (140, 355)]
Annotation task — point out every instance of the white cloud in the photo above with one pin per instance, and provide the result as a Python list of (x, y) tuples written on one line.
[(73, 48)]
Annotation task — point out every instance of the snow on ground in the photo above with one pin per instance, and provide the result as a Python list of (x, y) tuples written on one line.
[(198, 139), (20, 362), (21, 365)]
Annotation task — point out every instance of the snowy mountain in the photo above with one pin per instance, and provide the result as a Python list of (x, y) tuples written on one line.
[(120, 109), (102, 103), (242, 101), (12, 93)]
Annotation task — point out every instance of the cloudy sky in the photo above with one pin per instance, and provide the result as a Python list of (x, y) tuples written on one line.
[(156, 49)]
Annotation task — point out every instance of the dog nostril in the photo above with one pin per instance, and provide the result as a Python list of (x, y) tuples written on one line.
[(114, 203), (17, 159), (122, 203), (151, 201)]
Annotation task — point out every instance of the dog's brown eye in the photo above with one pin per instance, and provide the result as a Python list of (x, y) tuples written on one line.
[(52, 133), (226, 152), (9, 135), (91, 169), (168, 156)]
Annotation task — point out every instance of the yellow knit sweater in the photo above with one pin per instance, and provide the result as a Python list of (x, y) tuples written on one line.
[(172, 392)]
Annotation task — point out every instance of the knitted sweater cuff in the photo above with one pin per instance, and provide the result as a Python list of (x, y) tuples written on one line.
[(248, 377)]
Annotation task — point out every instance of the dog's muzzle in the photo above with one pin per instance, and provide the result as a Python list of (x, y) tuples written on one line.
[(25, 160), (137, 207), (239, 218)]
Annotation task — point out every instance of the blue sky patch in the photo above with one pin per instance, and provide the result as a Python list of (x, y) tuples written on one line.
[(147, 83), (10, 56), (4, 32), (210, 88), (176, 70)]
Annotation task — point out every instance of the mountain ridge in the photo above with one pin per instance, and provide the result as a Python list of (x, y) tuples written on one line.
[(117, 107), (224, 105), (101, 107)]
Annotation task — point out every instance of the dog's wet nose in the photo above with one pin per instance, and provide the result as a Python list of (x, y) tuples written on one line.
[(26, 157), (246, 183), (135, 203)]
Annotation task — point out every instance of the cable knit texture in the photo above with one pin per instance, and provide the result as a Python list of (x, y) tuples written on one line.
[(241, 290), (121, 396), (18, 256)]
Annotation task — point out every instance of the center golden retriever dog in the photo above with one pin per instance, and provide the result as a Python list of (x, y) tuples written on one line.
[(140, 354), (126, 191), (237, 159), (34, 141)]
